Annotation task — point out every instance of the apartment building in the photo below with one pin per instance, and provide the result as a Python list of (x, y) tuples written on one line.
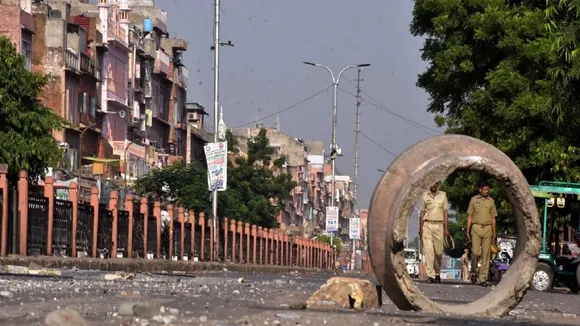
[(117, 77), (296, 217), (305, 212), (16, 22)]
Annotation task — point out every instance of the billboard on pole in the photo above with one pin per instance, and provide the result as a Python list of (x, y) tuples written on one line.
[(331, 219), (354, 228), (216, 155)]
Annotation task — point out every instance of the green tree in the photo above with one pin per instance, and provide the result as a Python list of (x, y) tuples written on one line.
[(335, 241), (505, 72), (254, 193), (26, 125)]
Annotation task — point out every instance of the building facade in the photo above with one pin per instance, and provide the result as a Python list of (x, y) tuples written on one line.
[(118, 79)]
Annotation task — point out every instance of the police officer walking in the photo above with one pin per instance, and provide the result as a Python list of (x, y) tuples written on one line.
[(481, 230), (433, 226)]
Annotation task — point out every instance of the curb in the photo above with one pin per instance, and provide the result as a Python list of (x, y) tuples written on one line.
[(148, 265)]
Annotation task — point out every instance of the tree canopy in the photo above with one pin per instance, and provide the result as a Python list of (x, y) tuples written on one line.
[(506, 72), (26, 125), (256, 189)]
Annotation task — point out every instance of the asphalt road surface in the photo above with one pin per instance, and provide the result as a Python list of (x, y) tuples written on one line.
[(223, 299)]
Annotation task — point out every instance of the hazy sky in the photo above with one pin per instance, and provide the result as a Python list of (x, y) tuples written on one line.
[(264, 73)]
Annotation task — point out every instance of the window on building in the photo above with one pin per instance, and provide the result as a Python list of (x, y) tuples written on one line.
[(81, 102), (93, 103), (26, 51)]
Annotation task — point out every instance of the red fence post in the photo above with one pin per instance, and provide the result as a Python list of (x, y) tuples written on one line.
[(241, 244), (254, 238), (170, 212), (144, 209), (4, 208), (181, 217), (226, 227), (129, 209), (73, 196), (191, 215), (23, 210), (233, 230), (266, 236), (157, 214), (247, 233), (202, 224), (95, 204), (49, 194), (260, 236), (114, 197)]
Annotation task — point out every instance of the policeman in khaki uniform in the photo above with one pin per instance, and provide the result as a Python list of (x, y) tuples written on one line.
[(433, 226), (481, 216)]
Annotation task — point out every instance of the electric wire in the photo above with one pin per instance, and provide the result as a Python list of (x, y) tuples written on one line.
[(287, 108)]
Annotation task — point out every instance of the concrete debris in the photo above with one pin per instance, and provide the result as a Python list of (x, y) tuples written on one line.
[(65, 317), (346, 293)]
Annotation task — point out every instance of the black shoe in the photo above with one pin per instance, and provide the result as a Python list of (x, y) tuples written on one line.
[(473, 278), (430, 280), (484, 284), (437, 279)]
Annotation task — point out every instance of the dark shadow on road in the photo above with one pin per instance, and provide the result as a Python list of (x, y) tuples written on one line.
[(410, 317)]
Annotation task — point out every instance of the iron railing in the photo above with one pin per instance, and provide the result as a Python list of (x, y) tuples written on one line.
[(37, 224), (85, 228), (105, 231), (71, 60), (176, 238), (151, 236), (123, 234), (61, 227), (138, 229)]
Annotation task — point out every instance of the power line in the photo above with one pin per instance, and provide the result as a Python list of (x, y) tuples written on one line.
[(374, 142), (384, 108), (288, 108)]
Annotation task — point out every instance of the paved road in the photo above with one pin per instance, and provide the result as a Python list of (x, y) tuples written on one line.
[(221, 299)]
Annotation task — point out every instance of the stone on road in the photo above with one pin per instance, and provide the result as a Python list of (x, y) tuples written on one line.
[(346, 292), (219, 298)]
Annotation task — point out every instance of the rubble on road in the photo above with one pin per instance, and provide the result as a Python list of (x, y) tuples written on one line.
[(348, 293)]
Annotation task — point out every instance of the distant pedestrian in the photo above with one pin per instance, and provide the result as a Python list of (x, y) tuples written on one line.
[(433, 227), (481, 230), (465, 264)]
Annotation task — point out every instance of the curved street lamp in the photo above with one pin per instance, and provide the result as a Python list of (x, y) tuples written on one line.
[(334, 150)]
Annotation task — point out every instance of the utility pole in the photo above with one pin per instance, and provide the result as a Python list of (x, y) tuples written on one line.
[(356, 158), (356, 138), (334, 149), (216, 58)]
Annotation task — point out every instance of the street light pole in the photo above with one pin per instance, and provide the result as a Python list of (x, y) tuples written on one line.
[(334, 150), (216, 75)]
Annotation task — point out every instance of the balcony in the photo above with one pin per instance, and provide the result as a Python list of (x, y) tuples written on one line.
[(87, 64), (183, 75), (71, 60), (150, 48), (161, 20), (116, 33), (162, 63), (26, 21)]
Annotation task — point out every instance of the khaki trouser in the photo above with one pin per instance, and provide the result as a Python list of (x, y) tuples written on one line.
[(481, 242), (433, 247)]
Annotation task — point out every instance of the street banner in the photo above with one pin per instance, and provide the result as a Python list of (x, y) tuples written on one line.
[(331, 219), (354, 228), (216, 155)]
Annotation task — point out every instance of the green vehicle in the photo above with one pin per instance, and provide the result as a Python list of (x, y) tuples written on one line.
[(556, 264)]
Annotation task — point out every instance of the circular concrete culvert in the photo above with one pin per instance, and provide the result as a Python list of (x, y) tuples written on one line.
[(399, 189)]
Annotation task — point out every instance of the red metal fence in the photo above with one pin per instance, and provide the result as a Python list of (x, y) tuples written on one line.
[(73, 228)]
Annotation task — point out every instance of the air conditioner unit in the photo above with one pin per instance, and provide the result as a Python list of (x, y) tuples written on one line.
[(192, 116)]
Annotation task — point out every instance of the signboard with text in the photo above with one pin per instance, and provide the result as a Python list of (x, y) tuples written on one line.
[(217, 165), (331, 219), (354, 228)]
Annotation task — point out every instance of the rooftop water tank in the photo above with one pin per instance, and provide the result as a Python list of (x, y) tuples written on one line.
[(147, 25)]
